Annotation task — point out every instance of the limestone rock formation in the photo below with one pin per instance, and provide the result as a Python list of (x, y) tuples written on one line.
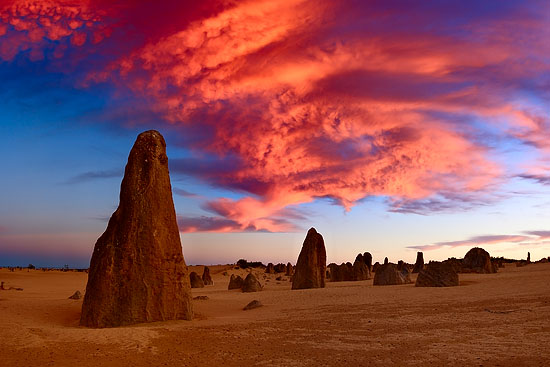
[(311, 266), (235, 282), (419, 264), (270, 269), (137, 272), (360, 271), (195, 280), (528, 257), (389, 274), (76, 295), (280, 268), (385, 261), (341, 273), (206, 278), (477, 260), (437, 274), (375, 267), (289, 270), (251, 284), (367, 258), (252, 305)]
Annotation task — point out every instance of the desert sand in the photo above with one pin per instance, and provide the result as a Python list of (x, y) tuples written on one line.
[(498, 319)]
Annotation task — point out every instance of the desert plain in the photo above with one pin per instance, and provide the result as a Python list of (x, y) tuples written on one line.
[(500, 319)]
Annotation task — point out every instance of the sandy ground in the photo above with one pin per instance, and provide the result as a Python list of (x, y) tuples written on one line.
[(489, 320)]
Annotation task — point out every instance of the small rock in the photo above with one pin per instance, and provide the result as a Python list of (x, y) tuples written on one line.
[(252, 305), (76, 295), (200, 298)]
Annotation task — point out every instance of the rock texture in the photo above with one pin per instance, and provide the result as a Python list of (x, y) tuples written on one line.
[(311, 266), (419, 264), (251, 284), (389, 274), (206, 278), (437, 274), (477, 260), (196, 281), (235, 282), (137, 272)]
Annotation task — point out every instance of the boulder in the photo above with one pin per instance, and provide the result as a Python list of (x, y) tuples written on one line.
[(389, 274), (235, 282), (252, 305), (251, 284), (310, 269), (419, 264), (196, 281), (76, 295), (137, 271), (206, 278), (437, 274), (477, 260)]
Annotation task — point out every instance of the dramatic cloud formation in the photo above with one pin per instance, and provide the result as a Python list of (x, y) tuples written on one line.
[(289, 101), (530, 238)]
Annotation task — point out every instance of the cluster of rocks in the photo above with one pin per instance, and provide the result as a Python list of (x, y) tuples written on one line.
[(199, 282), (359, 270), (249, 284), (287, 269)]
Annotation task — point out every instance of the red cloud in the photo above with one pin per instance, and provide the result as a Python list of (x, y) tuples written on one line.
[(28, 25), (311, 100)]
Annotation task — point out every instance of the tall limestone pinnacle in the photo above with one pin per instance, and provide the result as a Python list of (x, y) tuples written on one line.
[(137, 272)]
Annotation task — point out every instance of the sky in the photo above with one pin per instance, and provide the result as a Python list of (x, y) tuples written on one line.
[(389, 126)]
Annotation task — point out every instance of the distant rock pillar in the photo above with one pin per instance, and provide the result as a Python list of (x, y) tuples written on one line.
[(311, 266)]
